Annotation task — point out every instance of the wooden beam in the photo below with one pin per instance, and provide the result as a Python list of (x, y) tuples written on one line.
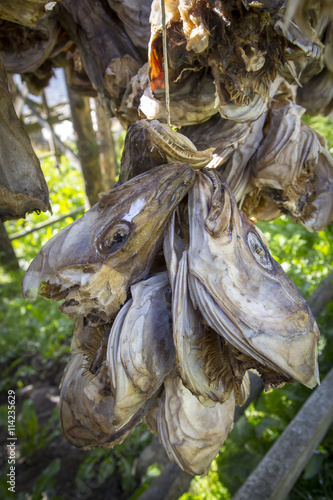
[(321, 296), (279, 470)]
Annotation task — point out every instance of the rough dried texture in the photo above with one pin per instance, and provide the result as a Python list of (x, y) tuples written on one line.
[(22, 185), (223, 135), (108, 55), (86, 407), (205, 363), (277, 157), (149, 144), (293, 168), (140, 349), (173, 247), (305, 54), (316, 96), (188, 109), (24, 12), (135, 17), (242, 49), (93, 261), (190, 338), (260, 206), (191, 433), (237, 171), (241, 291), (25, 49)]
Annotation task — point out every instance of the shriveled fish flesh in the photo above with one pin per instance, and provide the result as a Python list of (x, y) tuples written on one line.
[(86, 409), (149, 144)]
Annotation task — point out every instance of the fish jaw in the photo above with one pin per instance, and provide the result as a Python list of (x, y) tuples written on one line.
[(95, 260), (176, 146), (256, 302), (297, 356)]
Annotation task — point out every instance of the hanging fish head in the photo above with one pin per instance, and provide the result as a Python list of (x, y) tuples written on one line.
[(252, 301), (92, 262)]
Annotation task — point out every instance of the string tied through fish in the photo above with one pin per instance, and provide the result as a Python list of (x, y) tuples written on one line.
[(165, 64)]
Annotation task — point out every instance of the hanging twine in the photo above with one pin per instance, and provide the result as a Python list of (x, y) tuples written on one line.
[(165, 64)]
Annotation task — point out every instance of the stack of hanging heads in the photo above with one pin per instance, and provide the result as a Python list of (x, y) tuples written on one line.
[(172, 285)]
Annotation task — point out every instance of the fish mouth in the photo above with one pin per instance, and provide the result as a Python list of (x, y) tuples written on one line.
[(297, 357)]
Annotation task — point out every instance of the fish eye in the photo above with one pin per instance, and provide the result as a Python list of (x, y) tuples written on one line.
[(112, 239), (259, 251)]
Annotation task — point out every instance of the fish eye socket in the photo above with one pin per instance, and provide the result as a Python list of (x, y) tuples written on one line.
[(112, 239), (259, 251)]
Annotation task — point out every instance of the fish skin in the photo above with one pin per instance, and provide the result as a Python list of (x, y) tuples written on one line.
[(147, 350), (245, 295), (86, 411), (206, 365), (93, 261), (189, 334), (140, 351), (192, 434)]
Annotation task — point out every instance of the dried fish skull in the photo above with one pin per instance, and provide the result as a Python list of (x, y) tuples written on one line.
[(241, 291), (149, 144), (86, 409), (91, 263), (203, 362)]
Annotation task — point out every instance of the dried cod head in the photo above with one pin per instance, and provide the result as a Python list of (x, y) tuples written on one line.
[(293, 168), (241, 291), (205, 363), (86, 406), (223, 135), (90, 263), (192, 434), (241, 49), (140, 351), (187, 109)]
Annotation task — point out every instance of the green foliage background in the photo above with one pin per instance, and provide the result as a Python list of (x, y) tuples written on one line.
[(36, 335)]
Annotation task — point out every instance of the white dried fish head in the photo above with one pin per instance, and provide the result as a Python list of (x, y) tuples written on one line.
[(242, 292)]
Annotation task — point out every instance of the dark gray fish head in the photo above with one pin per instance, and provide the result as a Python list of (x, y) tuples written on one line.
[(93, 261)]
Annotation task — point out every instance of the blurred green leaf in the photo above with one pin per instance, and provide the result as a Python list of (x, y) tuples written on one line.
[(46, 480)]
